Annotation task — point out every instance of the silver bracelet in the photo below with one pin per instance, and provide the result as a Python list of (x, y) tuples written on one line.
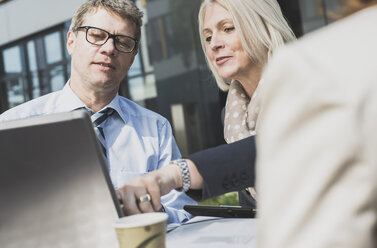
[(185, 174)]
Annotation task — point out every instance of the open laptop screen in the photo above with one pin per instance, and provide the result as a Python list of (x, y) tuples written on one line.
[(54, 186)]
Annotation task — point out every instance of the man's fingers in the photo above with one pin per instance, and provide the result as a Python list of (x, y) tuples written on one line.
[(127, 196), (154, 192), (141, 195), (144, 201)]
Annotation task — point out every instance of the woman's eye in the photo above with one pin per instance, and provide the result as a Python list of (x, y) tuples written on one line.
[(208, 38), (228, 29)]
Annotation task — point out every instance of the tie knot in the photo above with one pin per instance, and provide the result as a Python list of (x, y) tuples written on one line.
[(99, 117)]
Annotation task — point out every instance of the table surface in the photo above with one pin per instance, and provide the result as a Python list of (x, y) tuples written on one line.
[(213, 232)]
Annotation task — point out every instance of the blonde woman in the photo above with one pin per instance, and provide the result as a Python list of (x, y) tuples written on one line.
[(238, 37)]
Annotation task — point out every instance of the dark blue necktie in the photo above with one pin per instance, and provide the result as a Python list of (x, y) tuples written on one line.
[(97, 119)]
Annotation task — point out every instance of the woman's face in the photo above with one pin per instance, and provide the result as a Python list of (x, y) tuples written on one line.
[(223, 45)]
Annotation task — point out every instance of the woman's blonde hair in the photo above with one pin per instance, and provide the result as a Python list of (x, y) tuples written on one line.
[(260, 25)]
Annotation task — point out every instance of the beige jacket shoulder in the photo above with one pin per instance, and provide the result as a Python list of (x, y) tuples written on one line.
[(317, 143)]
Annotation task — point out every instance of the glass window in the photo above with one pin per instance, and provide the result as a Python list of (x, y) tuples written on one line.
[(57, 78), (154, 41), (142, 88), (33, 69), (53, 47), (12, 60), (136, 86), (15, 92), (136, 67), (35, 85), (316, 14), (32, 56), (150, 86)]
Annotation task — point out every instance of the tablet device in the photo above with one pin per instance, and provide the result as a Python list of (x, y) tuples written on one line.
[(55, 190), (221, 211)]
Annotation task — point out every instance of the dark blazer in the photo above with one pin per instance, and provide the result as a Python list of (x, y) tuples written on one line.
[(225, 168)]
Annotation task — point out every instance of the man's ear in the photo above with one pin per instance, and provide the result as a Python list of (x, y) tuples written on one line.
[(71, 39)]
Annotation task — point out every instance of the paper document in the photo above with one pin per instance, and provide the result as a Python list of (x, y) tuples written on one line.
[(214, 232)]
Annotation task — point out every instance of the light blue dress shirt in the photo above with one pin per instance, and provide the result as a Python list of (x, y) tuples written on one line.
[(137, 140)]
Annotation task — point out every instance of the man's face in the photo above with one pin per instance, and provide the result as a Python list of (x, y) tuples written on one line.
[(100, 68)]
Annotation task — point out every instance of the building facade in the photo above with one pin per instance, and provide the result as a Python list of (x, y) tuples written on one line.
[(169, 75)]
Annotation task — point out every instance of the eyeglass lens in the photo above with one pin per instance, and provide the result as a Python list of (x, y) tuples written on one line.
[(99, 37)]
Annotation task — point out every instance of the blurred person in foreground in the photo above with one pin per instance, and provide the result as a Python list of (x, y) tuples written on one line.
[(317, 159), (317, 165), (103, 41)]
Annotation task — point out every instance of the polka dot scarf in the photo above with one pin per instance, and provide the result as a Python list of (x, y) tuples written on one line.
[(241, 113)]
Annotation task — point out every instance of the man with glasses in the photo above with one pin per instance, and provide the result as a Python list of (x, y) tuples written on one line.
[(103, 41), (99, 37)]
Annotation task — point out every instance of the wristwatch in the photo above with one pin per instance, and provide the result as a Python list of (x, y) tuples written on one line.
[(182, 164)]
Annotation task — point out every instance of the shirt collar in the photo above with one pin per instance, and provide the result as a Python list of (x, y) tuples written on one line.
[(114, 104), (69, 101)]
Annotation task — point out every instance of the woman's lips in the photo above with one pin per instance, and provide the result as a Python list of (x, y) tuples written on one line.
[(222, 60)]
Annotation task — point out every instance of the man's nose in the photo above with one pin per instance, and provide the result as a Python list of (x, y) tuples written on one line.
[(109, 46)]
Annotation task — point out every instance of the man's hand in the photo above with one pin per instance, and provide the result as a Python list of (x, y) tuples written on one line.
[(156, 184)]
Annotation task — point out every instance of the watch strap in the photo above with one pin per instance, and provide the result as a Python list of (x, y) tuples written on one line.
[(182, 164)]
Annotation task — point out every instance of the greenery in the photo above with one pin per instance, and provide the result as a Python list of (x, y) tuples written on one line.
[(226, 199)]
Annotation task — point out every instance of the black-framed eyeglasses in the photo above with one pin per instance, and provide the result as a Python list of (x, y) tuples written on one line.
[(98, 37)]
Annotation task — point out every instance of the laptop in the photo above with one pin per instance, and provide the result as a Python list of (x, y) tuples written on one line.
[(55, 190)]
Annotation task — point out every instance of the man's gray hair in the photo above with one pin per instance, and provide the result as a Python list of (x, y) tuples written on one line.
[(127, 9)]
